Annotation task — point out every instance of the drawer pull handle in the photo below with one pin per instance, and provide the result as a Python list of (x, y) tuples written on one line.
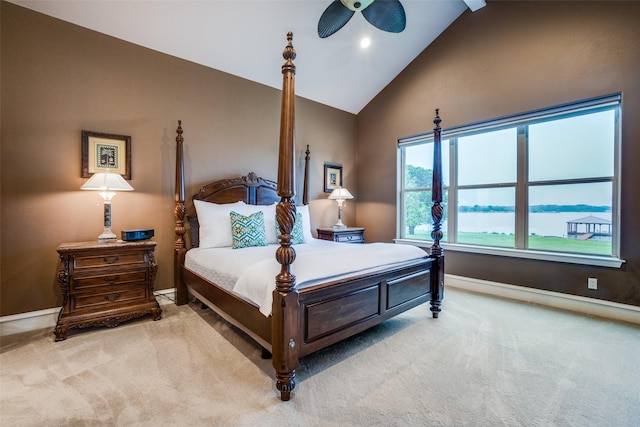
[(111, 260), (111, 280), (112, 298)]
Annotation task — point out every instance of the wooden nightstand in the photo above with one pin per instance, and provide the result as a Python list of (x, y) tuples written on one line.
[(104, 284), (344, 235)]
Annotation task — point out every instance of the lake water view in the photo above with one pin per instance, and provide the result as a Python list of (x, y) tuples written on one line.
[(541, 224)]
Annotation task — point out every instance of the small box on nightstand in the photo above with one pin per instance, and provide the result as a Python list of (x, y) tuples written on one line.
[(133, 235)]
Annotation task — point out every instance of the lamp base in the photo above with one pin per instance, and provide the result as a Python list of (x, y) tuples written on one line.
[(107, 236), (339, 225)]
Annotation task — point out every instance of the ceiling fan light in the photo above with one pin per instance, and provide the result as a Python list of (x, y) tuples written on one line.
[(356, 5)]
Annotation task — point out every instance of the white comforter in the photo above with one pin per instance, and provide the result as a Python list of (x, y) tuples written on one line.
[(251, 272)]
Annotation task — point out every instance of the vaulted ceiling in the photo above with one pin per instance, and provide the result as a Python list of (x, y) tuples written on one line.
[(246, 38)]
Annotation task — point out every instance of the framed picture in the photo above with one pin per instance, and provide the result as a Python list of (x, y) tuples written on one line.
[(332, 177), (102, 151)]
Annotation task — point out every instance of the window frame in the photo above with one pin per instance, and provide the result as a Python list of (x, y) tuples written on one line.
[(521, 122)]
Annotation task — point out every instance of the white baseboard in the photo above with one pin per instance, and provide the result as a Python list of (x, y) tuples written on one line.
[(42, 319), (30, 321), (590, 306), (47, 318)]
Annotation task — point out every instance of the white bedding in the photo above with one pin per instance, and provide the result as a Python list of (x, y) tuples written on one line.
[(251, 272)]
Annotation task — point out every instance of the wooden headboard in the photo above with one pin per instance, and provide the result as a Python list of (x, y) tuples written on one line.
[(250, 189)]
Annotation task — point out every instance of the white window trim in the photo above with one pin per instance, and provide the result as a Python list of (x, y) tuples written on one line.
[(573, 258)]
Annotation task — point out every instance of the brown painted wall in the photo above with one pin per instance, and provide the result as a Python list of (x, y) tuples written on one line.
[(57, 79), (506, 58)]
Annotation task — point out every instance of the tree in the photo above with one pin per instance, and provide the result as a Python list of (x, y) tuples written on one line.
[(417, 203)]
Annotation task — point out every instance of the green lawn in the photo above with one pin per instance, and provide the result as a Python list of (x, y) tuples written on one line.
[(554, 244)]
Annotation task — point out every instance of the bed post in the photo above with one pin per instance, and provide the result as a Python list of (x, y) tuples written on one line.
[(305, 188), (436, 253), (285, 334), (180, 249)]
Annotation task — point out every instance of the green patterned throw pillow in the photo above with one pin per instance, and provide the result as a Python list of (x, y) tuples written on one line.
[(297, 236), (248, 231)]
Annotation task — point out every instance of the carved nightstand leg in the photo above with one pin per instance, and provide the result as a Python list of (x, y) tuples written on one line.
[(61, 333)]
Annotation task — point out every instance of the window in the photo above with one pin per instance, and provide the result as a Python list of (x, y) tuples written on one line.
[(541, 184)]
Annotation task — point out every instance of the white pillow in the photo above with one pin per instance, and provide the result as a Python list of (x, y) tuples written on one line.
[(306, 222), (269, 212), (215, 223)]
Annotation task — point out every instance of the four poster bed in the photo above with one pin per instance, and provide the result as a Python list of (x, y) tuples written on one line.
[(306, 304)]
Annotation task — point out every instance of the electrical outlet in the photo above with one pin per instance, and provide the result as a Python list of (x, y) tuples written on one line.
[(592, 283)]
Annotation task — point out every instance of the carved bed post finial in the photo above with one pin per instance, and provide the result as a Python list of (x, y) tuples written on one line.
[(285, 334), (179, 212), (289, 53), (436, 252)]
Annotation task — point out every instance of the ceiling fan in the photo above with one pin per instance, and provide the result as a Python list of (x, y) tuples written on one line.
[(386, 15)]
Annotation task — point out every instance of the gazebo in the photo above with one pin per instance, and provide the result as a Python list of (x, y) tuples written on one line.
[(588, 226)]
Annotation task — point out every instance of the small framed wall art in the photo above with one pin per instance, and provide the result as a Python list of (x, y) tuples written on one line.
[(332, 177), (102, 151)]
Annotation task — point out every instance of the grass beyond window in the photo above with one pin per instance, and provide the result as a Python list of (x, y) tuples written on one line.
[(554, 244)]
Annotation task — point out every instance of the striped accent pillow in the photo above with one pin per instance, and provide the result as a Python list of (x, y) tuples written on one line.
[(248, 231)]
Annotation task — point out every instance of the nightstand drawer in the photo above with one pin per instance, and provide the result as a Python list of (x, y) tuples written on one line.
[(92, 282), (349, 238), (108, 299), (342, 235), (109, 259)]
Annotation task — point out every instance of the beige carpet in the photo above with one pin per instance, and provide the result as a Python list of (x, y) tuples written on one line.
[(485, 362)]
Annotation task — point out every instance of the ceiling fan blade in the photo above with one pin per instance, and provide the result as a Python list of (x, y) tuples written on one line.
[(386, 15), (333, 18)]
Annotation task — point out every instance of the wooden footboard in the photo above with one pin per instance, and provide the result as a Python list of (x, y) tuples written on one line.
[(334, 311), (329, 312)]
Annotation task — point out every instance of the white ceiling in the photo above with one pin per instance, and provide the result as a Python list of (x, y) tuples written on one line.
[(246, 38)]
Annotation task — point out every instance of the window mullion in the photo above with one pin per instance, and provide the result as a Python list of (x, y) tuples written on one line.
[(400, 188), (522, 205), (452, 195)]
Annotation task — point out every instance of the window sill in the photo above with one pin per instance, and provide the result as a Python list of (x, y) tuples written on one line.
[(600, 261)]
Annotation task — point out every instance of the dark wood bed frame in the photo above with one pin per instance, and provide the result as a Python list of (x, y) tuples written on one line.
[(308, 319)]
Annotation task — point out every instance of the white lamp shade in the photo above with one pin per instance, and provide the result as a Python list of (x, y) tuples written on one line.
[(107, 181), (340, 193)]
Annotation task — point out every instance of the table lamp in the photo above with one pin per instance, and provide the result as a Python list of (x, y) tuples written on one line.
[(107, 183), (340, 194)]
